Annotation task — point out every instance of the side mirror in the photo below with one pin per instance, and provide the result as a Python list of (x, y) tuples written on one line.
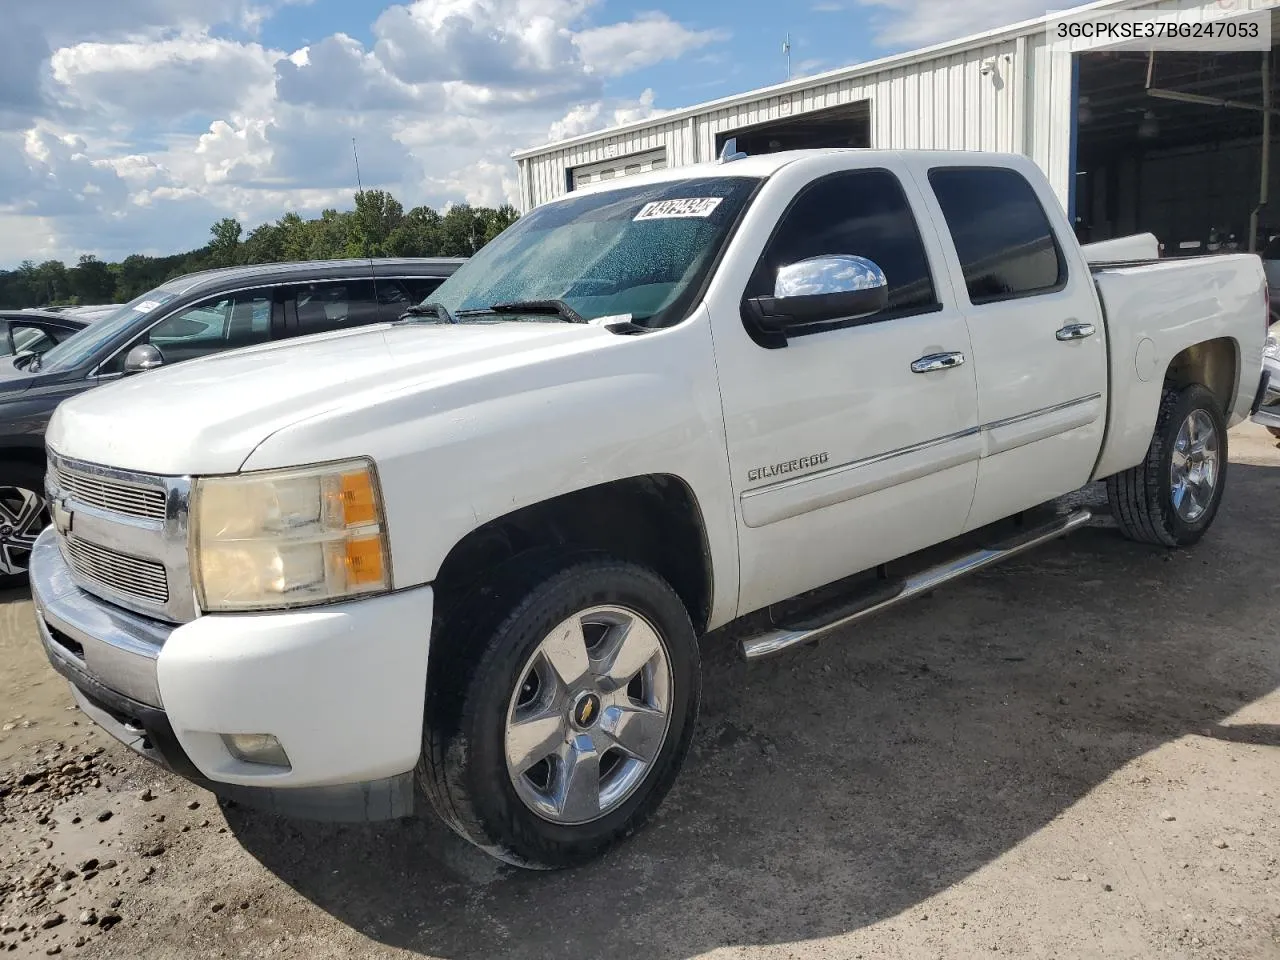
[(819, 290), (142, 358)]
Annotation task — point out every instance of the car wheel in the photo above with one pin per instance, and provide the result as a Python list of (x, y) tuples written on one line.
[(24, 512), (560, 708), (1172, 497)]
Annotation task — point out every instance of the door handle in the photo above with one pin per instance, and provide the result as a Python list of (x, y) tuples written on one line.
[(1075, 331), (937, 361)]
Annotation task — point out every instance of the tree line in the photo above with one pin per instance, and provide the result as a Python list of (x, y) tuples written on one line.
[(378, 226)]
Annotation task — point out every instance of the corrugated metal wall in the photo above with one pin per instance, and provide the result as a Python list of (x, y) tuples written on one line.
[(943, 103)]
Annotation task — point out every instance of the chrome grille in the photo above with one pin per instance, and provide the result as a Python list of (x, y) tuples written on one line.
[(146, 503), (143, 580)]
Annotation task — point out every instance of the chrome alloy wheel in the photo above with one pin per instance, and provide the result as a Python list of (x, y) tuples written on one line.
[(23, 514), (1194, 469), (589, 715)]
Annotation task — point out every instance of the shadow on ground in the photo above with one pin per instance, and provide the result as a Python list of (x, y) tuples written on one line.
[(839, 785)]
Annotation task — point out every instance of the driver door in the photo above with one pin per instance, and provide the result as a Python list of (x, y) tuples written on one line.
[(843, 457)]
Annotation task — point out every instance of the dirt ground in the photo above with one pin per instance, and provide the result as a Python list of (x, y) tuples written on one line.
[(1073, 755)]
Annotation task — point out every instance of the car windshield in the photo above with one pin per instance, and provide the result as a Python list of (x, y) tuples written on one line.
[(81, 347), (641, 251)]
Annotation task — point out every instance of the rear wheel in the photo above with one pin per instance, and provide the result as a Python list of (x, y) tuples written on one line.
[(561, 708), (23, 514), (1172, 497)]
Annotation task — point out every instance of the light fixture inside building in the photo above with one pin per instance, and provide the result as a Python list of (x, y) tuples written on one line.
[(1149, 128)]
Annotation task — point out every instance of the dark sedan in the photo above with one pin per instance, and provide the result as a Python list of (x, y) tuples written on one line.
[(37, 331), (184, 318)]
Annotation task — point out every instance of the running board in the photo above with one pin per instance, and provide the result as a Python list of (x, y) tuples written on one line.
[(780, 638)]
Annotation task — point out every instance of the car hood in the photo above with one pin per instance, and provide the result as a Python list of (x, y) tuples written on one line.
[(206, 416)]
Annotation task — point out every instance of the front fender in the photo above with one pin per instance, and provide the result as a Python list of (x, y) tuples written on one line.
[(452, 457)]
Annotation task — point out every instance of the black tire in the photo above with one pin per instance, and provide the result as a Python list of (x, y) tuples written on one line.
[(1141, 498), (15, 555), (477, 657)]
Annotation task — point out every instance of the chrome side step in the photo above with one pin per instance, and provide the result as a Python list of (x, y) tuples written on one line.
[(780, 638)]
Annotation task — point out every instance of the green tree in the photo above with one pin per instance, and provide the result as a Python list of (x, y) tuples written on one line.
[(91, 281), (225, 246)]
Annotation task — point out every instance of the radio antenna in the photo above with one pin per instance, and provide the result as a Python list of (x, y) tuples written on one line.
[(364, 240)]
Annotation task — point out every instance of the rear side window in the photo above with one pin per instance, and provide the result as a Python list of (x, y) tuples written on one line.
[(1001, 233), (863, 213), (335, 306)]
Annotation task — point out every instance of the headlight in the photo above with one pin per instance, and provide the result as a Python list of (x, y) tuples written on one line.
[(1272, 348), (288, 538)]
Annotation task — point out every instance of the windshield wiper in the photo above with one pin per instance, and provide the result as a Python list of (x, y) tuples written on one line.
[(430, 309), (554, 307)]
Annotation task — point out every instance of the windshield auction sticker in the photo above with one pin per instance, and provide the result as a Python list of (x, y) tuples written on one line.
[(685, 207)]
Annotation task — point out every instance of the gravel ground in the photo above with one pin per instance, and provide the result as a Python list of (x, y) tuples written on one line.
[(1072, 755)]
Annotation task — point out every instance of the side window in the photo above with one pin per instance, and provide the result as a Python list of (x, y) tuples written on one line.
[(211, 326), (419, 288), (393, 299), (863, 213), (1001, 233), (29, 338), (334, 305)]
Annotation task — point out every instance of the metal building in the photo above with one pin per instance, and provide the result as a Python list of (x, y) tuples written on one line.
[(1167, 141)]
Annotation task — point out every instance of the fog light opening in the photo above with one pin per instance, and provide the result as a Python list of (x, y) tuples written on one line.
[(259, 748)]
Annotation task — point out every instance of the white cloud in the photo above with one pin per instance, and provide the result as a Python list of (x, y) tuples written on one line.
[(131, 125), (586, 117), (619, 48), (192, 74)]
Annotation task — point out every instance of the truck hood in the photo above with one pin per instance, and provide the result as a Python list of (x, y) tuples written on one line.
[(206, 416)]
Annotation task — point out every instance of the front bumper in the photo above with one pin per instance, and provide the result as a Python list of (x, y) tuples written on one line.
[(1266, 408), (342, 688)]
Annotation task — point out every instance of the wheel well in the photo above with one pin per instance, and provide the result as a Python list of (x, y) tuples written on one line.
[(1212, 363), (653, 520)]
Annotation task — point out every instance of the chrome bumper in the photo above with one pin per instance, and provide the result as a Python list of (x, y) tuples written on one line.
[(1266, 408), (116, 648), (108, 655)]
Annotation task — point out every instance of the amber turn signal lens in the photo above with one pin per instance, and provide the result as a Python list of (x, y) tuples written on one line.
[(359, 503), (364, 561)]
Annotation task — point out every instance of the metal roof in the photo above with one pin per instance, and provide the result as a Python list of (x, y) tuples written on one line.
[(1021, 28)]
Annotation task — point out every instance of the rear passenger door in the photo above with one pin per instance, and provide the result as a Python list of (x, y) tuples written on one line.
[(1039, 348)]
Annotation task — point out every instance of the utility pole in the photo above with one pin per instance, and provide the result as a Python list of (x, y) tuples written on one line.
[(786, 49)]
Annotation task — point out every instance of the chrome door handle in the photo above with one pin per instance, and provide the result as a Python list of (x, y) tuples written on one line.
[(1075, 331), (937, 361)]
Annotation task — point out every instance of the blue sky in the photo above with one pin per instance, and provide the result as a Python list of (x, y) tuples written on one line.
[(132, 125)]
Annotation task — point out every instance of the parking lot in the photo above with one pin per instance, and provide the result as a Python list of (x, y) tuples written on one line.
[(1073, 755)]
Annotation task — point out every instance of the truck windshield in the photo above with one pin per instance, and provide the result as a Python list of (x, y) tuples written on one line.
[(642, 251), (83, 346)]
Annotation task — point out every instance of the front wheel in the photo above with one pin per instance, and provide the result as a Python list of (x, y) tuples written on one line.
[(1172, 496), (560, 708), (23, 514)]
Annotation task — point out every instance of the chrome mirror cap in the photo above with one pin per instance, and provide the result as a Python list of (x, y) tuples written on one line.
[(141, 358), (825, 275)]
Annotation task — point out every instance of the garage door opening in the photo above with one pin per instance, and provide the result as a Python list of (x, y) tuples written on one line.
[(1171, 143), (848, 125)]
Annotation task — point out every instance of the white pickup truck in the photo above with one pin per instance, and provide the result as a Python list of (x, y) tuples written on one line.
[(462, 562)]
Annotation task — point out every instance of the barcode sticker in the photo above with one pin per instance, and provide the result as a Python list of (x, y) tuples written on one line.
[(684, 207)]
